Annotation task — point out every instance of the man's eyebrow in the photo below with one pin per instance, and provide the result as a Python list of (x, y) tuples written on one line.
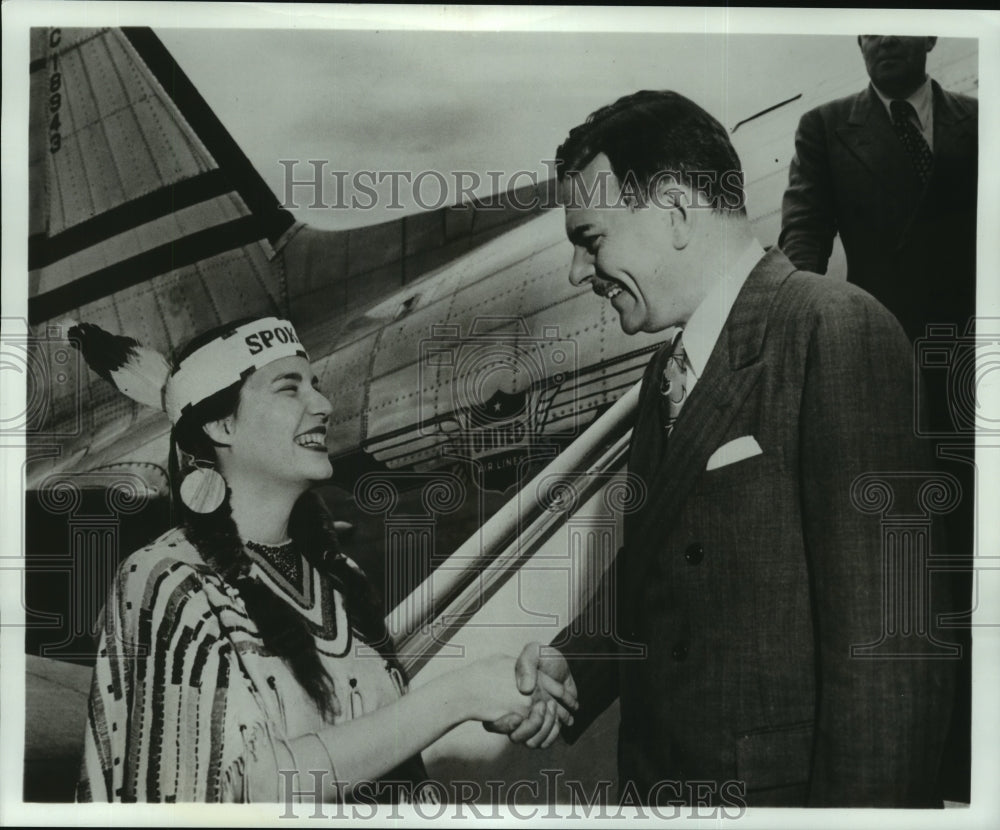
[(288, 376), (580, 232)]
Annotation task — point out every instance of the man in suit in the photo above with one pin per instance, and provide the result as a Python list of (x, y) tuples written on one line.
[(893, 170), (752, 577)]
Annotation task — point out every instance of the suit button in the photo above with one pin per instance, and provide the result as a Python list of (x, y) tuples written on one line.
[(679, 651), (694, 553)]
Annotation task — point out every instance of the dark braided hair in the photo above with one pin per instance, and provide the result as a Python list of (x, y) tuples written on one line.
[(283, 632)]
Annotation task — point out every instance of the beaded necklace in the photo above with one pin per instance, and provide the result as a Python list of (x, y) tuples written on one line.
[(283, 558)]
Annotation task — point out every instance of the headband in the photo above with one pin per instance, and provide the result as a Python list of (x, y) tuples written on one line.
[(227, 360), (144, 375)]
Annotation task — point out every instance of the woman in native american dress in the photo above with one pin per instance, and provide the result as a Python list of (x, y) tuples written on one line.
[(242, 647)]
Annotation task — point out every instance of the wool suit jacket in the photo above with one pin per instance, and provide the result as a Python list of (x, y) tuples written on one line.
[(747, 585), (912, 246)]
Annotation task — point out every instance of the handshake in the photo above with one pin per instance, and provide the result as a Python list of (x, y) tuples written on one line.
[(544, 699)]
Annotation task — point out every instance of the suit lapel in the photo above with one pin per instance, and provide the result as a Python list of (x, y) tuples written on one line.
[(870, 137), (697, 434), (731, 372), (954, 128)]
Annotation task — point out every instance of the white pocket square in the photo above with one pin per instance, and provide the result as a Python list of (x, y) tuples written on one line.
[(745, 446)]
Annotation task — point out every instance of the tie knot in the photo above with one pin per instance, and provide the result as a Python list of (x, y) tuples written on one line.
[(674, 370), (901, 110), (678, 350), (673, 384)]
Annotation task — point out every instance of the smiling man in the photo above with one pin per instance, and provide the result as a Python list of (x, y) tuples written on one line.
[(751, 576)]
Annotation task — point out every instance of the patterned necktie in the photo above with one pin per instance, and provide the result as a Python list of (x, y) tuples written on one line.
[(673, 385), (916, 147)]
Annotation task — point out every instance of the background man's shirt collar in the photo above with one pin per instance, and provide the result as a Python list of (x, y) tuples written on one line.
[(922, 102)]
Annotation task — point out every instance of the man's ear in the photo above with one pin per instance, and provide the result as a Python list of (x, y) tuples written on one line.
[(676, 200), (682, 217), (931, 43), (220, 432)]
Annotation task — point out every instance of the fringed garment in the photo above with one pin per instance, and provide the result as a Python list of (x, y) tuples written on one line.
[(185, 695)]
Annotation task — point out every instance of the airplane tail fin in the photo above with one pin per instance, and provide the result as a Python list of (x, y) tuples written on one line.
[(145, 216)]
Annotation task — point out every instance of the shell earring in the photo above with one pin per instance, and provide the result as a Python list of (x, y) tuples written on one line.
[(203, 488)]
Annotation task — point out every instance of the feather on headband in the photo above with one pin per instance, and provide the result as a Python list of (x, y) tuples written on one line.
[(138, 372), (144, 375)]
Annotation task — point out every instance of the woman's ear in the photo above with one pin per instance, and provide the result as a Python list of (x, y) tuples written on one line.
[(220, 432)]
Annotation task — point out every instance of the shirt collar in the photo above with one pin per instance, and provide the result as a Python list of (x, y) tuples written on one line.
[(703, 329), (922, 102)]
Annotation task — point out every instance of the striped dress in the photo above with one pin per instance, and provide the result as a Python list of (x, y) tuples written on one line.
[(185, 696)]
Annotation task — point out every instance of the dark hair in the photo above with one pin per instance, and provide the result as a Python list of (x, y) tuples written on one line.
[(283, 632), (650, 134)]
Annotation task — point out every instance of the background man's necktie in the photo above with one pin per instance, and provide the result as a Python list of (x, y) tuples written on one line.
[(673, 389), (916, 147)]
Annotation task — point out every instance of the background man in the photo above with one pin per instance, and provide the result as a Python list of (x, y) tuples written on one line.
[(750, 573), (893, 170)]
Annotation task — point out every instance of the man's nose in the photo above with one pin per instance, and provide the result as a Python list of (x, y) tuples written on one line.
[(582, 267)]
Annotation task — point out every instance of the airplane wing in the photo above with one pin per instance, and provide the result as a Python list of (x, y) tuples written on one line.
[(478, 362)]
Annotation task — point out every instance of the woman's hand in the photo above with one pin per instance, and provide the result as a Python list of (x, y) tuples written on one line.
[(490, 691)]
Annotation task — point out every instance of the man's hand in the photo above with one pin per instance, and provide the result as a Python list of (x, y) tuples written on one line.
[(542, 672)]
